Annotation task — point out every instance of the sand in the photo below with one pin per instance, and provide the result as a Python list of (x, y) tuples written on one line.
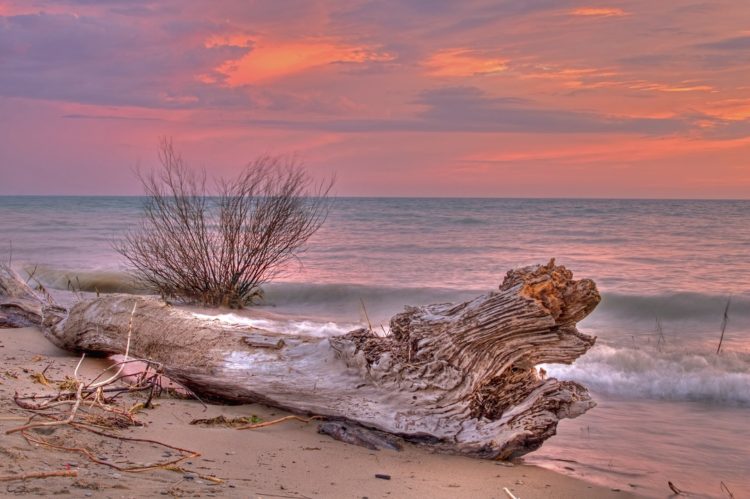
[(289, 460)]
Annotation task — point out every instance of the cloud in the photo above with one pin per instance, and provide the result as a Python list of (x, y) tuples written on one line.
[(463, 62), (739, 43), (469, 110), (108, 117), (109, 60), (272, 60), (599, 12)]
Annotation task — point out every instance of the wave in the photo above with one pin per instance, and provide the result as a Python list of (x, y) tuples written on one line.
[(674, 306), (94, 281), (337, 301), (285, 326), (470, 221), (347, 301), (678, 375)]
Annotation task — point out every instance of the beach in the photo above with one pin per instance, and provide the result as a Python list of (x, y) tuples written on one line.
[(286, 460)]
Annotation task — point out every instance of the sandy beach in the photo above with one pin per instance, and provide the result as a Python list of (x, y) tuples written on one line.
[(288, 460)]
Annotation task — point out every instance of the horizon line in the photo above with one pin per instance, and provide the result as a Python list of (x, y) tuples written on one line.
[(519, 198)]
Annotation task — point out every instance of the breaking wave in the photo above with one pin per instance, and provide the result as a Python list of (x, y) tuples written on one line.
[(285, 326), (668, 375)]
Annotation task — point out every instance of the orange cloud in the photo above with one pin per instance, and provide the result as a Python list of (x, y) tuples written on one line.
[(599, 12), (572, 77), (730, 109), (663, 87), (463, 62), (590, 78), (270, 61), (612, 151)]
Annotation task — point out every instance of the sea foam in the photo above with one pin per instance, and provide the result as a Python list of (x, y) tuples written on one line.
[(665, 375)]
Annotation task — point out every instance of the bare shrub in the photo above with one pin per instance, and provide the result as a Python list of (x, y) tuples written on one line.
[(218, 248)]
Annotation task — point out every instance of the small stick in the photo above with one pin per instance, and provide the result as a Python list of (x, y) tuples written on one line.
[(674, 488), (127, 351), (186, 454), (31, 276), (661, 340), (369, 325), (724, 488), (261, 494), (179, 469), (68, 420), (276, 421), (510, 494), (724, 322), (42, 474)]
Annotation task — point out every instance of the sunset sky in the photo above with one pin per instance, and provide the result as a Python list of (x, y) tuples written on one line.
[(521, 98)]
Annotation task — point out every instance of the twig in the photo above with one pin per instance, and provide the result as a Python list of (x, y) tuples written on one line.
[(510, 494), (674, 488), (127, 351), (68, 420), (661, 340), (724, 322), (261, 494), (10, 253), (186, 454), (364, 309), (724, 488), (42, 474), (31, 276), (210, 478), (276, 421)]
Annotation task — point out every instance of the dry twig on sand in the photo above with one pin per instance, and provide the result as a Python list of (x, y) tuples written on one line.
[(43, 474), (510, 494), (276, 421)]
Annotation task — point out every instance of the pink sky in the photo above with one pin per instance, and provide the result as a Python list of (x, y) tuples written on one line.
[(545, 98)]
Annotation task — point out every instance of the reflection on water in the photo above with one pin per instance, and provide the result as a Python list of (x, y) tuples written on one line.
[(641, 444)]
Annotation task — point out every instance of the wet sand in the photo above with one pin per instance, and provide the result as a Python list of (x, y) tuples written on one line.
[(289, 460)]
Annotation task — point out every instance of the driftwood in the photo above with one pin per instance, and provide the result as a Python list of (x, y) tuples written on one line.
[(457, 378)]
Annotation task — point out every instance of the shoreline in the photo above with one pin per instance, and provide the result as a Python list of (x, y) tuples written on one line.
[(285, 460)]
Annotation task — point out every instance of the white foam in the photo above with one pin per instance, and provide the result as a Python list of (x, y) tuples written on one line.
[(295, 327), (667, 375)]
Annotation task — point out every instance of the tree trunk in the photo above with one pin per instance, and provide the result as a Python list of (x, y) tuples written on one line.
[(455, 377)]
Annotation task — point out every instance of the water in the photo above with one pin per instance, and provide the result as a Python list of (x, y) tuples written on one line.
[(669, 407)]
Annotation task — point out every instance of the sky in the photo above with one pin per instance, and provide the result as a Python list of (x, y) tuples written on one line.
[(506, 98)]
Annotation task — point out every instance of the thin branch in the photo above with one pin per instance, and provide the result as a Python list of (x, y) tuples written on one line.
[(277, 421), (42, 474), (724, 322)]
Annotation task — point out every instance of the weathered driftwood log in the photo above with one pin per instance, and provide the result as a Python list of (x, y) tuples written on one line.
[(454, 377)]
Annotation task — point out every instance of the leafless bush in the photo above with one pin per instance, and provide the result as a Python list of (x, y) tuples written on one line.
[(218, 248)]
